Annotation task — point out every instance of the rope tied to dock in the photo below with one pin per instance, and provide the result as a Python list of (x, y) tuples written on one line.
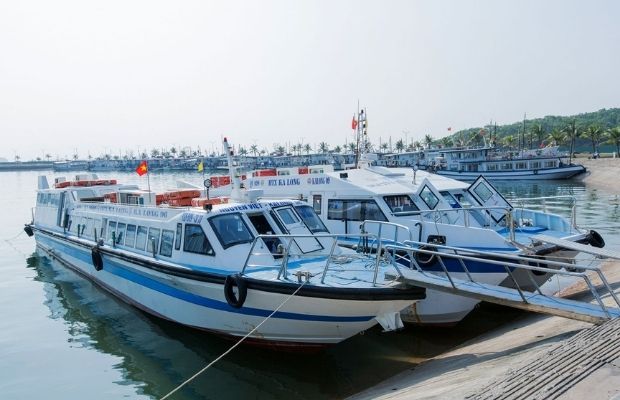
[(191, 378)]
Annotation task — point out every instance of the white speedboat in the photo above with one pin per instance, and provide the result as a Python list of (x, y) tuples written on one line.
[(223, 267), (425, 209)]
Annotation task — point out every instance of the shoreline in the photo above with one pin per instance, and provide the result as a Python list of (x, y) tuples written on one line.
[(602, 173)]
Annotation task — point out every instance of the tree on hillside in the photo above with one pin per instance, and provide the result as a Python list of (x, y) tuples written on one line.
[(509, 141), (572, 132), (539, 132), (400, 145), (428, 141), (557, 136), (595, 134), (613, 137), (446, 141)]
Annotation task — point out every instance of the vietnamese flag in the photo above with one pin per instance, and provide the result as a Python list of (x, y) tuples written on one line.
[(353, 123), (142, 168)]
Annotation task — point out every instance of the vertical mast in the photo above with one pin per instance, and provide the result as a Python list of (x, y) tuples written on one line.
[(235, 183)]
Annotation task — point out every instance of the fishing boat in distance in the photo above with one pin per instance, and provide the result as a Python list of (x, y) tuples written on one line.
[(267, 270)]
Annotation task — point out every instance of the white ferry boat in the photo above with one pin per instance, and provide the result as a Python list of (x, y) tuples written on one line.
[(427, 209), (468, 164), (225, 266)]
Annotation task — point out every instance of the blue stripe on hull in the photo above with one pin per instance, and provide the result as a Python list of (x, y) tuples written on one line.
[(119, 270)]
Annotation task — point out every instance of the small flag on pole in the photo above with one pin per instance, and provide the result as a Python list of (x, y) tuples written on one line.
[(354, 123), (142, 168), (201, 167), (449, 129)]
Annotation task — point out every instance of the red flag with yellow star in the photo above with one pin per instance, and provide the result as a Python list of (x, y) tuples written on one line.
[(142, 168)]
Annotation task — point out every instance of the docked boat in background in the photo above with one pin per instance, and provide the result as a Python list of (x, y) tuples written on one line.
[(421, 209), (467, 164), (237, 266)]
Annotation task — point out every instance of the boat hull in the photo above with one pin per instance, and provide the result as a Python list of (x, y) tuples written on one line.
[(546, 174), (301, 321)]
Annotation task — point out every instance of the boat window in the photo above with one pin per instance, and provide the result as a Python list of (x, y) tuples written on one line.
[(535, 164), (111, 230), (230, 229), (429, 198), (130, 236), (507, 166), (196, 241), (278, 222), (401, 203), (316, 203), (120, 233), (151, 244), (141, 238), (450, 199), (483, 192), (312, 221), (167, 238), (354, 210), (262, 226), (288, 216), (550, 164), (177, 240), (521, 165), (103, 228)]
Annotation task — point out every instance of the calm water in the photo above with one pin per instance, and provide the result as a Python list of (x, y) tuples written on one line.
[(61, 337)]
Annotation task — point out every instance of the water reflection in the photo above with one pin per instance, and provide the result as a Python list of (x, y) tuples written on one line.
[(157, 355)]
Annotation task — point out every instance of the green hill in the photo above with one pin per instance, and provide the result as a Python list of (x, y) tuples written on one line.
[(605, 119)]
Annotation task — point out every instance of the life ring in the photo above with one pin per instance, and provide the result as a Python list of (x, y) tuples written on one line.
[(596, 240), (424, 258), (235, 300), (97, 259)]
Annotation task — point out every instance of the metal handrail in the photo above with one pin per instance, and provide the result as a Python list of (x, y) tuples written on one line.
[(283, 272), (509, 262)]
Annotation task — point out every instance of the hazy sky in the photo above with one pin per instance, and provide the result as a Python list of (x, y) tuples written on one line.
[(108, 75)]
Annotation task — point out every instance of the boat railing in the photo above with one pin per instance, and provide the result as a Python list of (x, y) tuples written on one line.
[(407, 256), (383, 233), (550, 204), (290, 249)]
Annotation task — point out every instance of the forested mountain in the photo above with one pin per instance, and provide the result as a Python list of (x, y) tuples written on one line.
[(590, 130)]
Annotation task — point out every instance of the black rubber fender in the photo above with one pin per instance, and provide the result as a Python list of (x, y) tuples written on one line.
[(28, 230), (596, 240), (231, 281), (97, 258)]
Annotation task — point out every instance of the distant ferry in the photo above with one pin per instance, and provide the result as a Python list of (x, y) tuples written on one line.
[(468, 164)]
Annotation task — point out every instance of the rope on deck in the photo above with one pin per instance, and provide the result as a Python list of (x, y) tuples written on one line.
[(235, 345)]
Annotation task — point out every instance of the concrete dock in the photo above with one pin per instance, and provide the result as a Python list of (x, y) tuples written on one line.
[(535, 357)]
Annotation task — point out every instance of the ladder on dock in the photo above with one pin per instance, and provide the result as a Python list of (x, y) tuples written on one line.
[(533, 300)]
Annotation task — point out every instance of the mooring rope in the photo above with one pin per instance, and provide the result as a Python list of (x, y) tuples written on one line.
[(235, 345)]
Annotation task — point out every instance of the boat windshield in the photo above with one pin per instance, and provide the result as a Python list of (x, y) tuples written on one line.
[(401, 204), (230, 229), (312, 221)]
